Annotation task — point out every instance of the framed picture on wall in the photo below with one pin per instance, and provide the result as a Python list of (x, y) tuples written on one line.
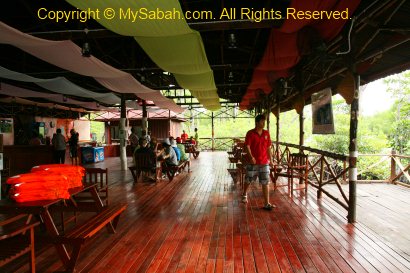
[(322, 112), (6, 126)]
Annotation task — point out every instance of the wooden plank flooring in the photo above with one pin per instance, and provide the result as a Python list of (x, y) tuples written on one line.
[(196, 223)]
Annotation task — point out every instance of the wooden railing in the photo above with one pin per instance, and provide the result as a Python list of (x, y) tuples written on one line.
[(396, 168), (218, 143), (330, 168)]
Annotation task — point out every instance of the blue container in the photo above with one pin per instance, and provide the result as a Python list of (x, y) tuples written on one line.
[(92, 154)]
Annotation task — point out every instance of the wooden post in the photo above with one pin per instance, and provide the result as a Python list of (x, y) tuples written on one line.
[(268, 120), (213, 132), (353, 151), (1, 160), (169, 123), (301, 132), (344, 168), (123, 135), (319, 190), (277, 132), (392, 166), (144, 116)]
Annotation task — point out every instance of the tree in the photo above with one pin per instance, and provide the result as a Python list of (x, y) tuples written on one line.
[(399, 86)]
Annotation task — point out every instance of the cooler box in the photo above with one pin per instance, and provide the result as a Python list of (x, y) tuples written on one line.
[(92, 154)]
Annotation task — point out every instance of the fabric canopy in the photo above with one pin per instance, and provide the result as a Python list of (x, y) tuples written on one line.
[(14, 91), (67, 55), (60, 85), (40, 104), (171, 44), (287, 44)]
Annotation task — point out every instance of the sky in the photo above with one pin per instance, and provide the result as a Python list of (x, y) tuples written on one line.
[(374, 98)]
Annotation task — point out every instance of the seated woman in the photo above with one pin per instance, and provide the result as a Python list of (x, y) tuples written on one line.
[(149, 159), (175, 147), (169, 154), (184, 156)]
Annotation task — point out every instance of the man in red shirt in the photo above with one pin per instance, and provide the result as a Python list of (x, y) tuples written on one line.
[(258, 148), (184, 136)]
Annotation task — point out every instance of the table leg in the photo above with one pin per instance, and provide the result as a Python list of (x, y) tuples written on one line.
[(53, 232)]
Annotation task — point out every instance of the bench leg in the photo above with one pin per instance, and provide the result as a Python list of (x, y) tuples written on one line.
[(32, 252), (111, 226), (115, 221), (74, 257), (170, 175)]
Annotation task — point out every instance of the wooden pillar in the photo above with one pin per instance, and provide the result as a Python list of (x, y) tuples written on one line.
[(353, 151), (1, 159), (169, 123), (301, 131), (392, 166), (213, 132), (144, 116), (277, 132), (268, 120), (123, 134)]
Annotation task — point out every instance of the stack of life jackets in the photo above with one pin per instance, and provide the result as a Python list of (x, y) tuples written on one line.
[(45, 182), (74, 174)]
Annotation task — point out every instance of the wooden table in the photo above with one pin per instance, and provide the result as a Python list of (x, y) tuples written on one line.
[(42, 208)]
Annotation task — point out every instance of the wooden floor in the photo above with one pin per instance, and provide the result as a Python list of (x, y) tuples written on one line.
[(196, 223)]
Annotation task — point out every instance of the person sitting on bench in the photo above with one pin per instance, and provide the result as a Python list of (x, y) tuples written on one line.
[(144, 149), (175, 147), (169, 154), (184, 156)]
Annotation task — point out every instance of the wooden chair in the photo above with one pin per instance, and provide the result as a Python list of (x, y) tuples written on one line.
[(17, 239), (297, 168), (5, 173), (234, 158), (144, 164), (100, 176)]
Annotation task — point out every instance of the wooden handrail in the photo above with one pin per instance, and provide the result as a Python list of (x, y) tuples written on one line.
[(314, 150)]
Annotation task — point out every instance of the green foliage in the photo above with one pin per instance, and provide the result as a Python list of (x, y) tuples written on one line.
[(227, 123), (399, 86), (98, 128)]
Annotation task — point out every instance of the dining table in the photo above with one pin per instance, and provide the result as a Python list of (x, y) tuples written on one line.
[(42, 208)]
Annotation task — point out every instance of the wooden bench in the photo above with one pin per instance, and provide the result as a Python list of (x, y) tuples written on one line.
[(14, 240), (171, 170), (108, 218)]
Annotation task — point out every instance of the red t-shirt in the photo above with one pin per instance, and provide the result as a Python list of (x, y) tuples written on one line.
[(184, 137), (259, 145)]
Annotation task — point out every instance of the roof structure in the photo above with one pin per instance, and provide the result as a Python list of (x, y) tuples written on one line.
[(255, 53)]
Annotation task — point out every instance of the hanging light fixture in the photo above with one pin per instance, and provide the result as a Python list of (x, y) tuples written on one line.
[(231, 77), (85, 50), (232, 41)]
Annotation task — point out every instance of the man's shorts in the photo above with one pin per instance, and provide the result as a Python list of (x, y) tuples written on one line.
[(260, 171)]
